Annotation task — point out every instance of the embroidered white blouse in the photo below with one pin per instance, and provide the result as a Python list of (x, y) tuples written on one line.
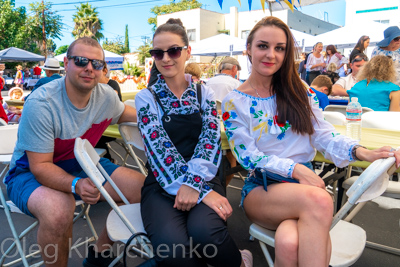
[(257, 140), (168, 166)]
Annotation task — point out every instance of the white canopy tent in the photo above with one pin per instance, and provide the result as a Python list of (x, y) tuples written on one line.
[(219, 45), (347, 36), (114, 61)]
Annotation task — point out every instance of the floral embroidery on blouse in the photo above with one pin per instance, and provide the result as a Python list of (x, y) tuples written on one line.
[(257, 139), (168, 166)]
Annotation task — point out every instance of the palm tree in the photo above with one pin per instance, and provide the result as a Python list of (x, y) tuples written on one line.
[(87, 22)]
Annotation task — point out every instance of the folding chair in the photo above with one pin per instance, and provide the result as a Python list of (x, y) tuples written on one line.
[(348, 240), (131, 135), (334, 117), (9, 133), (123, 221)]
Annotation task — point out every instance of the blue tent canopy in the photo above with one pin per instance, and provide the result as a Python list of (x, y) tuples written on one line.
[(13, 54)]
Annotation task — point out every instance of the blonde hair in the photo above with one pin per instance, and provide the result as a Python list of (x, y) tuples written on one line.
[(193, 69), (380, 68), (332, 67), (19, 67)]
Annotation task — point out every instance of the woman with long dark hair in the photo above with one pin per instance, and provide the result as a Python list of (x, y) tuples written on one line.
[(273, 123), (360, 47), (183, 205), (332, 56)]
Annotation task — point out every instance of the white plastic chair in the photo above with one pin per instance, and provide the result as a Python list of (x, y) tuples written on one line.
[(130, 102), (9, 133), (348, 240), (334, 117), (387, 120), (219, 104), (123, 221), (342, 109), (131, 135)]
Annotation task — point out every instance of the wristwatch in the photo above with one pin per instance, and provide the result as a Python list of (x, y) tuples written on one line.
[(353, 151), (74, 184)]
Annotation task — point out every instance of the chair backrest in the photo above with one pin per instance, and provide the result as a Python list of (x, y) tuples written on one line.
[(335, 117), (130, 102), (388, 120), (342, 109), (131, 134), (371, 184), (8, 137)]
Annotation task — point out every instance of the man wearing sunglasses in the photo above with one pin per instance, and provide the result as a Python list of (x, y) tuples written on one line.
[(390, 46), (346, 83), (45, 178)]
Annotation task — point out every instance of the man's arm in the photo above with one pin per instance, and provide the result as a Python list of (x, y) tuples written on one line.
[(129, 115), (52, 176), (338, 90)]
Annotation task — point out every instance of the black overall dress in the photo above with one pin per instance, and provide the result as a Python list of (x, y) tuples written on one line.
[(166, 225)]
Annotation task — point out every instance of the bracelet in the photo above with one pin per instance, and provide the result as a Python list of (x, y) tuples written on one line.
[(74, 184), (353, 151)]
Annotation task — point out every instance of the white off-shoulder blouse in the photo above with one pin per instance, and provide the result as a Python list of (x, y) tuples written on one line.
[(259, 141)]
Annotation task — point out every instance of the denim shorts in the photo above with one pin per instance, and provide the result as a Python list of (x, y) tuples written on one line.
[(20, 187), (262, 177)]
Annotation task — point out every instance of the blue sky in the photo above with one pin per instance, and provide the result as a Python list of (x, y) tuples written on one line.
[(116, 14)]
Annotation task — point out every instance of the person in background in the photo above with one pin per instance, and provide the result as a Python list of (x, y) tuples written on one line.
[(302, 66), (274, 124), (245, 65), (19, 77), (182, 201), (332, 56), (360, 47), (346, 83), (315, 63), (52, 68), (322, 87), (105, 139), (37, 70), (376, 89), (331, 72), (26, 73), (194, 70), (2, 83), (226, 80), (390, 46)]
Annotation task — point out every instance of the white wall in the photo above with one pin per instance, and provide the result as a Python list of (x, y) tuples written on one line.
[(356, 11)]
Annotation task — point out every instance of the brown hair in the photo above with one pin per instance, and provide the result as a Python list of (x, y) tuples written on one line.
[(323, 81), (380, 68), (292, 102), (193, 69), (173, 26), (360, 43), (86, 41), (332, 48)]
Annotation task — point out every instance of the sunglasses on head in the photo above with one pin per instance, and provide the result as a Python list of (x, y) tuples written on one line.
[(173, 52), (360, 58), (83, 61)]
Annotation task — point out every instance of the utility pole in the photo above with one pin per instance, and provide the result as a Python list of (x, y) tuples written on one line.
[(44, 32)]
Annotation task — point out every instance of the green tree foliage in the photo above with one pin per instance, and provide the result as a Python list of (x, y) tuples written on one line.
[(171, 8), (116, 46), (143, 52), (61, 50), (51, 45), (87, 22), (127, 50), (53, 23), (13, 30)]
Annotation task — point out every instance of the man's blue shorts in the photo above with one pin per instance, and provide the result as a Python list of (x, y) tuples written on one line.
[(22, 185)]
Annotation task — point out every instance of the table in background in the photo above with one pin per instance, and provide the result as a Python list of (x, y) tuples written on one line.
[(9, 81), (338, 100), (129, 95), (30, 82), (15, 103)]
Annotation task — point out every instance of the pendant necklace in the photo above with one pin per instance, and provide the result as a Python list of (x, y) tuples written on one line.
[(255, 90)]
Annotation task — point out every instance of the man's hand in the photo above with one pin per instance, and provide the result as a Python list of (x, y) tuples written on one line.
[(219, 204), (87, 191), (186, 198), (307, 176)]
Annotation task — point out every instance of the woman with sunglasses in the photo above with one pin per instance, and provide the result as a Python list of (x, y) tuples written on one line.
[(273, 123), (183, 204), (390, 46), (360, 47), (315, 63)]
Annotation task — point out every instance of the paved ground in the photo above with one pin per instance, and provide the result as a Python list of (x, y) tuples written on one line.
[(381, 224)]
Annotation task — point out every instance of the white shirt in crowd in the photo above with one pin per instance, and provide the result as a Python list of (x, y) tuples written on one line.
[(222, 84), (347, 82)]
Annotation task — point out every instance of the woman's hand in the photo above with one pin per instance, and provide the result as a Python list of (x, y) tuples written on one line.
[(383, 152), (186, 198), (307, 176), (219, 204)]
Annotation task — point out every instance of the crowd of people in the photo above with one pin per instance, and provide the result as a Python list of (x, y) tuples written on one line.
[(273, 122)]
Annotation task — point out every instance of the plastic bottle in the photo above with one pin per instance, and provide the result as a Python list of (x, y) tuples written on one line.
[(353, 119)]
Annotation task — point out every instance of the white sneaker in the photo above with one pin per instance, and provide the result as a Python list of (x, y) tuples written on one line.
[(247, 257)]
